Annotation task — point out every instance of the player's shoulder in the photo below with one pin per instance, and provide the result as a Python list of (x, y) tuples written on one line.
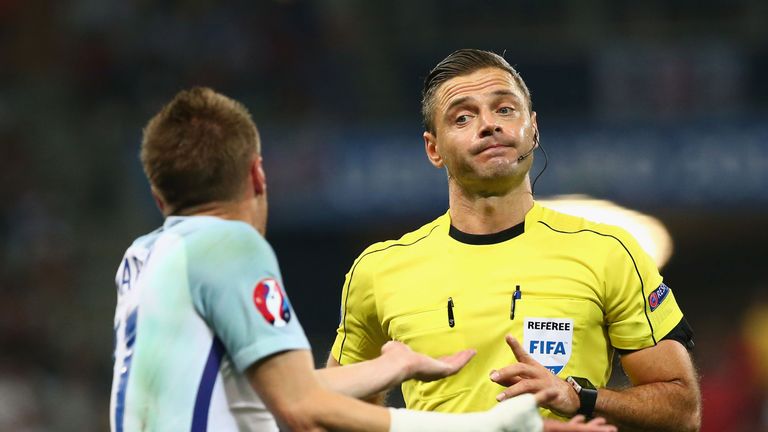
[(231, 230), (416, 237), (211, 237), (146, 240), (141, 246), (218, 248)]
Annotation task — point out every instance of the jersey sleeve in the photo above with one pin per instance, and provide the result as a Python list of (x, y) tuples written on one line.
[(237, 288), (640, 308), (359, 336)]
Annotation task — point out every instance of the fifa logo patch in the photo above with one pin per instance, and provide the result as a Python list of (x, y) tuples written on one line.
[(657, 296), (549, 341), (271, 302)]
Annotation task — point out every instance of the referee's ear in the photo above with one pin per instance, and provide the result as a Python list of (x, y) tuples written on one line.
[(430, 146)]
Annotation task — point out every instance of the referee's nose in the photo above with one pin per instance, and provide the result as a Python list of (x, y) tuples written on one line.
[(488, 125)]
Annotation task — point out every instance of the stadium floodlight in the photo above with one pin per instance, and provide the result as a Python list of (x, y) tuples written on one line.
[(650, 232)]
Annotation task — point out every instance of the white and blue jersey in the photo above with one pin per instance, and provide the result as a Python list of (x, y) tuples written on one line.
[(199, 301)]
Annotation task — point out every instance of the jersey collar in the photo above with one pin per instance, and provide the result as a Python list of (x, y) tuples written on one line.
[(497, 237)]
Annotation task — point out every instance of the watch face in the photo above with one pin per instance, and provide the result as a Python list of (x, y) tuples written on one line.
[(578, 383), (587, 395)]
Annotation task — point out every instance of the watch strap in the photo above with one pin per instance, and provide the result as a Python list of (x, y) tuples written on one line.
[(587, 395), (587, 399)]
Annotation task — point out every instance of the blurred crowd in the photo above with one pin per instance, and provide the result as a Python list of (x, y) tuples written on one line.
[(735, 385)]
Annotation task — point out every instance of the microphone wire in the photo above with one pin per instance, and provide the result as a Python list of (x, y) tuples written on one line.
[(546, 162)]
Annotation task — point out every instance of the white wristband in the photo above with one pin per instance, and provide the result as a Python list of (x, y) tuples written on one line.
[(518, 414)]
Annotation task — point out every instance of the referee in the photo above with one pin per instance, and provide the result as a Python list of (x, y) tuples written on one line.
[(568, 291)]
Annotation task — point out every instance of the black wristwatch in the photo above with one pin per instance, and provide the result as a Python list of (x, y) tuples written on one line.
[(587, 395)]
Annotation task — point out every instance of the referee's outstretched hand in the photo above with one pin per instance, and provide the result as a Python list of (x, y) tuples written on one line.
[(529, 376), (423, 367), (579, 424)]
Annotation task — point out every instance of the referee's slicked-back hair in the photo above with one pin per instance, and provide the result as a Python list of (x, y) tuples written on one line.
[(459, 63), (198, 149)]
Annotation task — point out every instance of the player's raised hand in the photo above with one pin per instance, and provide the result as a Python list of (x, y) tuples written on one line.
[(529, 376), (422, 367)]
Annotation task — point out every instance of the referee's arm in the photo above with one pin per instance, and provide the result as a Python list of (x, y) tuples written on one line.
[(664, 393)]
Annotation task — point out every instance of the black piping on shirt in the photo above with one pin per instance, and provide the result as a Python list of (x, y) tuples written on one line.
[(352, 274), (642, 285)]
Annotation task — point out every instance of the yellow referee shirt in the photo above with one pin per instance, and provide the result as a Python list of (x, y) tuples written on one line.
[(569, 289)]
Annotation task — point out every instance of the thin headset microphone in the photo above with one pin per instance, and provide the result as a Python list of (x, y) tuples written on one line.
[(533, 147), (528, 153)]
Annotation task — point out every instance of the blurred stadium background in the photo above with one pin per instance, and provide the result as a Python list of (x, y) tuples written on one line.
[(659, 106)]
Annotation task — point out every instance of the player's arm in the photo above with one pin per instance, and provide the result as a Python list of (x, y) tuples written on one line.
[(664, 395), (290, 390), (397, 363), (374, 397)]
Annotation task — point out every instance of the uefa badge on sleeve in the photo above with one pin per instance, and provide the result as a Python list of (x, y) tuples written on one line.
[(657, 296), (271, 302)]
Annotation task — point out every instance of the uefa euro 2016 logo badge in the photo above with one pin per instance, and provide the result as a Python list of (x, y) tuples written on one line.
[(657, 296), (271, 302)]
